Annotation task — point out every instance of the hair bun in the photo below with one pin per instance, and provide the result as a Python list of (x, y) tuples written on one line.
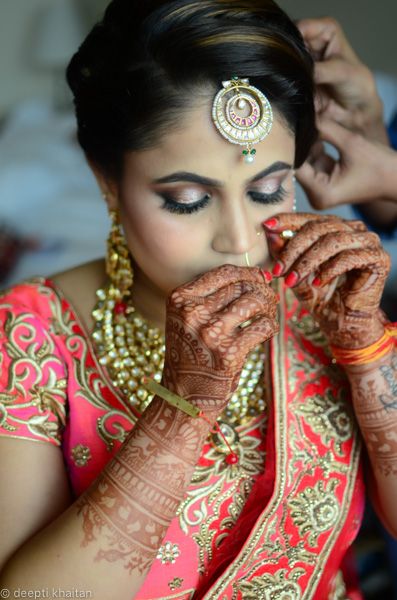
[(138, 69)]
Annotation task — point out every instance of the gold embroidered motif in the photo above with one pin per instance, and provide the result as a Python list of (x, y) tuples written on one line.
[(339, 589), (175, 584), (328, 417), (81, 455), (168, 553), (315, 510), (270, 587), (33, 359), (277, 549)]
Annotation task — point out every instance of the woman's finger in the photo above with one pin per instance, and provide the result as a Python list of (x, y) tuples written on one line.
[(307, 237), (260, 330), (371, 261), (293, 221), (208, 283), (329, 246), (249, 305)]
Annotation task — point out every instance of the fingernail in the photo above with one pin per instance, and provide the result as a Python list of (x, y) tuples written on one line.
[(267, 276), (292, 279), (278, 269), (316, 282), (270, 223)]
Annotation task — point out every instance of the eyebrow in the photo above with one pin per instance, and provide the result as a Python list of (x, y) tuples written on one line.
[(205, 181)]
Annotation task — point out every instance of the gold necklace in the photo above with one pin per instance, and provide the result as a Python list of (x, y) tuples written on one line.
[(130, 348)]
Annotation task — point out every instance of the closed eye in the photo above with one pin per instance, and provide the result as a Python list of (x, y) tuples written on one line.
[(182, 208), (273, 198)]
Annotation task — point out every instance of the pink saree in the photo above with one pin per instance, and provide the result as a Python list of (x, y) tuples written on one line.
[(276, 525)]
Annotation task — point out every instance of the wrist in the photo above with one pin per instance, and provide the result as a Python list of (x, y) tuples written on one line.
[(359, 360)]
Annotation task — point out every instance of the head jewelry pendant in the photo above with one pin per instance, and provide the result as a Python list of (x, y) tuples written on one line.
[(242, 115)]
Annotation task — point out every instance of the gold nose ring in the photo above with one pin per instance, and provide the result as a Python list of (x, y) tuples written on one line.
[(247, 260)]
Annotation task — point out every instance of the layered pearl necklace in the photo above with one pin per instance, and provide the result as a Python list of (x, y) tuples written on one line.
[(130, 348)]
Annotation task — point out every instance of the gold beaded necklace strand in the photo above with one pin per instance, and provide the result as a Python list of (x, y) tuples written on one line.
[(131, 349)]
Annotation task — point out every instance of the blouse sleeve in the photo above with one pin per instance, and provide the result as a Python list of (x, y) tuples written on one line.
[(33, 378)]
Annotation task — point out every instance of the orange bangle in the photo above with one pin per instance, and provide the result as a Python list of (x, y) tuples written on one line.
[(364, 356)]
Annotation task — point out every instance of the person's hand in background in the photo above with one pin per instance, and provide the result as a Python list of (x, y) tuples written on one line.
[(350, 117), (346, 88), (364, 170)]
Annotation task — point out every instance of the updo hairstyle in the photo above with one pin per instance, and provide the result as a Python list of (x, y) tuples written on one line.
[(146, 63)]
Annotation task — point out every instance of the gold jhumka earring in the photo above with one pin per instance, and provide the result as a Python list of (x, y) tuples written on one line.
[(242, 114), (118, 260), (127, 346)]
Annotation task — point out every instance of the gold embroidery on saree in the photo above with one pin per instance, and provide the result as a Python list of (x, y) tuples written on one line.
[(282, 586), (329, 418), (33, 360), (203, 503), (81, 455), (315, 510), (113, 425), (269, 543)]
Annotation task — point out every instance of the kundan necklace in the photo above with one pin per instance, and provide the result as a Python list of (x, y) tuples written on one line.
[(130, 348)]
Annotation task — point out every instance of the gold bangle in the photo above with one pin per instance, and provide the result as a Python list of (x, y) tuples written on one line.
[(189, 409), (171, 398)]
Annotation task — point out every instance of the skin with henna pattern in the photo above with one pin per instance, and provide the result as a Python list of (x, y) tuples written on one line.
[(348, 267), (139, 492), (203, 320), (131, 508)]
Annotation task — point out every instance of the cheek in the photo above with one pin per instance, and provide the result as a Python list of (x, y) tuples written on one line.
[(166, 248)]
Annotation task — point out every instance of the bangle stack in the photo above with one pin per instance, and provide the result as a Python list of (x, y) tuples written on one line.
[(365, 356)]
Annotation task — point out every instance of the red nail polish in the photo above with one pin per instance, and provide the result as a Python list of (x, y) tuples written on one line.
[(278, 269), (270, 223), (267, 276), (292, 279), (316, 282)]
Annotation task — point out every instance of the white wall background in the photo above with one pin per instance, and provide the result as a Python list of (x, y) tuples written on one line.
[(372, 27)]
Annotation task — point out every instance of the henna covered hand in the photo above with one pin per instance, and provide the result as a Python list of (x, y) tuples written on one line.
[(337, 269), (206, 345)]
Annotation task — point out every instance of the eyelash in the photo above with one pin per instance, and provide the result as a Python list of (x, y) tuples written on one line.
[(187, 209)]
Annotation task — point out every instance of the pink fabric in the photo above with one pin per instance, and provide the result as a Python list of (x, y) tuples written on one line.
[(52, 390)]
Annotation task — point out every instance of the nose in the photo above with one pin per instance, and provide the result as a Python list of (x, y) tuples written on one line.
[(236, 230)]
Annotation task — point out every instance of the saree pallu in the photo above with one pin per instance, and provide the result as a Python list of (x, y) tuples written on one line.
[(276, 525)]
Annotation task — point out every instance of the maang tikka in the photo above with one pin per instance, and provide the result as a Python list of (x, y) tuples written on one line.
[(242, 114)]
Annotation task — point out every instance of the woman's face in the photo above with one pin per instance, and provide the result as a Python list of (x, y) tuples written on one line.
[(192, 204)]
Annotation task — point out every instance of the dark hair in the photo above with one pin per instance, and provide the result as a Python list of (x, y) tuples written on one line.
[(144, 63)]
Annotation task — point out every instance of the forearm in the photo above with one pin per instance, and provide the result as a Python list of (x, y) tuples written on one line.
[(374, 390), (107, 540)]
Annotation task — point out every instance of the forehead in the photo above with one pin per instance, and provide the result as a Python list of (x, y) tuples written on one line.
[(197, 146)]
